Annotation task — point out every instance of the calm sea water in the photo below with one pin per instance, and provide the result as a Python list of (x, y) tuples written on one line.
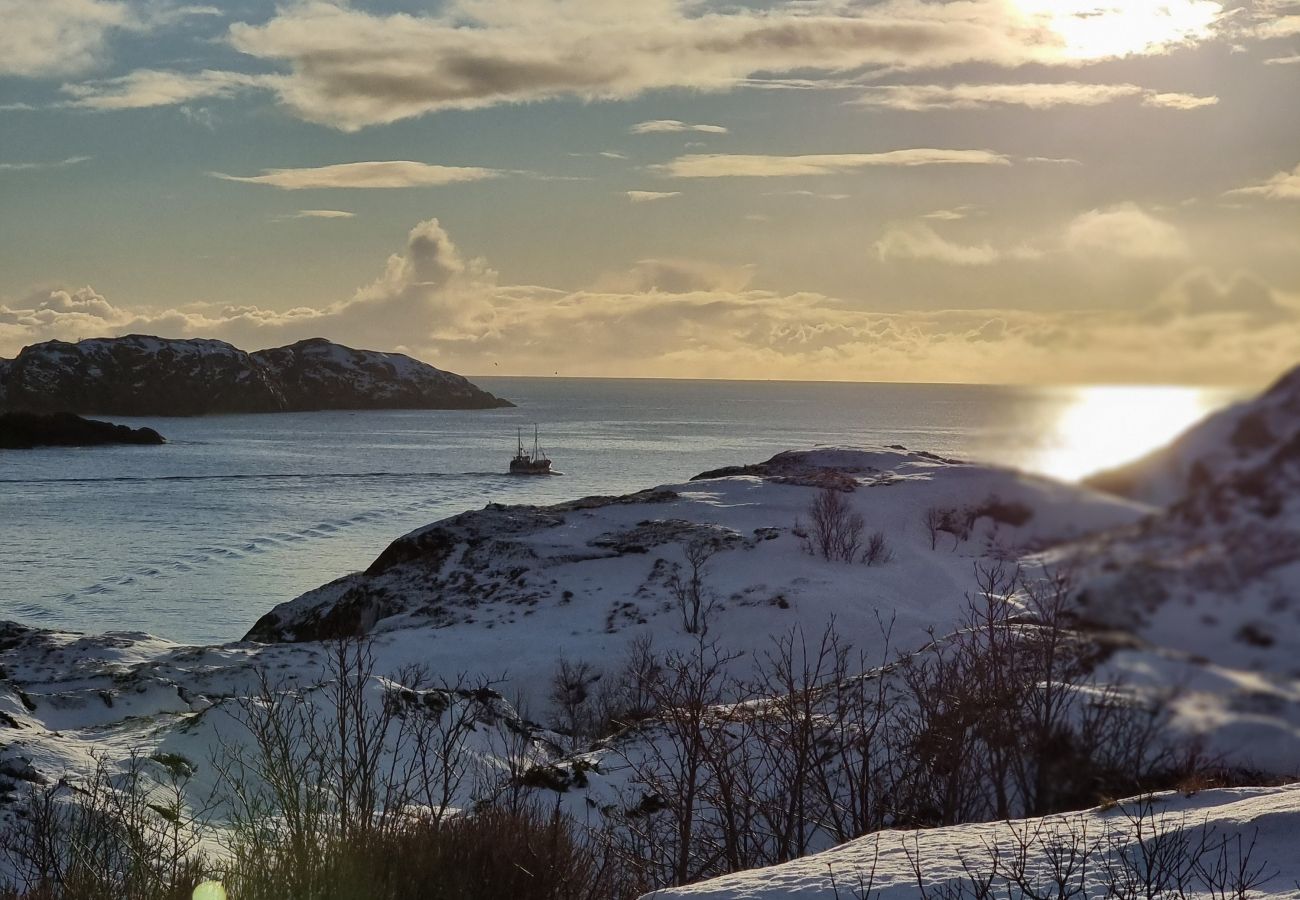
[(193, 541)]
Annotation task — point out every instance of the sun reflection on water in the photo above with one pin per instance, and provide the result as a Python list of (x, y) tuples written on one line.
[(1105, 426)]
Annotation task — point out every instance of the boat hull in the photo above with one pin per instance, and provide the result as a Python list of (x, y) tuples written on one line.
[(529, 467)]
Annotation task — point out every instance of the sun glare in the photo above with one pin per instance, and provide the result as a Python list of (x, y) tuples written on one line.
[(1108, 426), (1097, 29)]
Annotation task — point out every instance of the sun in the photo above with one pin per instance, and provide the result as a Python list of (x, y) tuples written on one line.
[(1100, 29), (1102, 427)]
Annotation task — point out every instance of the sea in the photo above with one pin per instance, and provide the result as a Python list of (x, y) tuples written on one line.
[(193, 541)]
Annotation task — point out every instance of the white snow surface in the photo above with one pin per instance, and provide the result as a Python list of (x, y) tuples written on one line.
[(506, 592), (884, 859), (509, 590)]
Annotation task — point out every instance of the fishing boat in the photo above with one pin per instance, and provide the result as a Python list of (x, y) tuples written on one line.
[(525, 463)]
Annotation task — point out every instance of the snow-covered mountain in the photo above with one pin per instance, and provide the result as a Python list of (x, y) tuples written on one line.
[(138, 375)]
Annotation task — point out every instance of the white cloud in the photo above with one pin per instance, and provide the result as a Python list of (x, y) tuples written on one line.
[(671, 126), (1282, 186), (1127, 231), (950, 215), (650, 196), (318, 214), (814, 195), (721, 165), (41, 38), (1279, 27), (918, 97), (921, 242), (386, 174), (1283, 60), (148, 87), (30, 166), (56, 38), (349, 68)]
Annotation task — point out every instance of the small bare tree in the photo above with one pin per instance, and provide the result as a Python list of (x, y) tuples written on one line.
[(695, 601), (934, 519), (572, 698), (837, 528)]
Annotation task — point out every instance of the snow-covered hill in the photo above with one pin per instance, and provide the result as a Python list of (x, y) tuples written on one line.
[(139, 375), (505, 593), (509, 594), (1257, 826), (514, 588), (1233, 449), (1214, 575)]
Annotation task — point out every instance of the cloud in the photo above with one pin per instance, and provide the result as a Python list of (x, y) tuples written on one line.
[(814, 195), (1283, 60), (148, 87), (1279, 27), (919, 97), (390, 174), (30, 166), (921, 242), (950, 215), (349, 68), (1202, 293), (41, 38), (650, 196), (670, 126), (682, 318), (1282, 186), (57, 38), (1127, 231), (318, 214), (723, 165), (675, 276), (1124, 231)]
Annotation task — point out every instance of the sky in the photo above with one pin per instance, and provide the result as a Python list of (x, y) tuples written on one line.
[(995, 191)]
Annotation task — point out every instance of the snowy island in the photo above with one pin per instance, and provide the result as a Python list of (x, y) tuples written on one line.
[(138, 375)]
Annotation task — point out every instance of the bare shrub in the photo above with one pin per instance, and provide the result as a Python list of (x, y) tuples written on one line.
[(933, 520), (836, 529), (1140, 855), (124, 831), (572, 698), (694, 600), (877, 552), (628, 696)]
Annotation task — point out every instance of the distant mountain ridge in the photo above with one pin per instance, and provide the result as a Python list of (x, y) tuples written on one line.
[(141, 375)]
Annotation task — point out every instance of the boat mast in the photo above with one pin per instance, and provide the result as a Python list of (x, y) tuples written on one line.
[(536, 447), (520, 435)]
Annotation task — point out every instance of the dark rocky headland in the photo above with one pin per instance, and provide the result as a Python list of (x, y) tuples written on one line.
[(25, 430)]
